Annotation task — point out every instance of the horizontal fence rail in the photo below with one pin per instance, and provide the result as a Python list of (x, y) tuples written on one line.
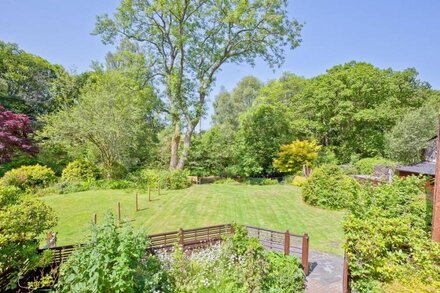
[(190, 239)]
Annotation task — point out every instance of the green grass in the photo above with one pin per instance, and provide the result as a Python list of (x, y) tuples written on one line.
[(277, 207)]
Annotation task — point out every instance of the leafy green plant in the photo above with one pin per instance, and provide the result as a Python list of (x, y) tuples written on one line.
[(366, 166), (23, 221), (113, 260), (239, 264), (293, 156), (29, 177), (80, 170), (329, 187), (299, 181), (285, 274), (387, 237), (174, 179)]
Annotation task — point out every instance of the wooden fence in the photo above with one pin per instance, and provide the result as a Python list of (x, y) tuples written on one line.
[(346, 288), (189, 239)]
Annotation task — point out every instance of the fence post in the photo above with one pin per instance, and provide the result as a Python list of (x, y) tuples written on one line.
[(287, 243), (305, 253), (137, 204), (94, 218), (345, 276), (181, 238), (149, 193), (119, 212)]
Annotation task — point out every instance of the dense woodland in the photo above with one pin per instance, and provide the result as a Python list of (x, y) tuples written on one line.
[(114, 117)]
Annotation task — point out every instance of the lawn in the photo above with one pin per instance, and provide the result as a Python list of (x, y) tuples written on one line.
[(277, 207)]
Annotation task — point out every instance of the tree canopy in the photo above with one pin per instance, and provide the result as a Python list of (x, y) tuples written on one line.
[(188, 42)]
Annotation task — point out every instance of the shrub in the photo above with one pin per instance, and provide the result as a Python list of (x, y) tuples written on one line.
[(285, 274), (80, 170), (366, 166), (23, 220), (114, 260), (8, 195), (176, 179), (29, 177), (299, 181), (293, 156), (387, 237), (329, 187)]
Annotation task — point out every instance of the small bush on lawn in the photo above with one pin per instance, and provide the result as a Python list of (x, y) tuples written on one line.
[(329, 187), (388, 238), (178, 179), (240, 264), (80, 170), (29, 177), (366, 166), (299, 181), (113, 260)]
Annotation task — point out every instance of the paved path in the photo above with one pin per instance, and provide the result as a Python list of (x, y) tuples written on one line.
[(325, 274)]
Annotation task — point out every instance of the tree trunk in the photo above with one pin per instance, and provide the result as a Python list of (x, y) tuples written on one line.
[(186, 146), (175, 141)]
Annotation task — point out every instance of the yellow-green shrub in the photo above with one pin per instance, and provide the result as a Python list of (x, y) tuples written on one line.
[(29, 177), (299, 181), (80, 170), (293, 156)]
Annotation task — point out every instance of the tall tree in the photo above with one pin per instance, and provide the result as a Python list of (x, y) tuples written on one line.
[(113, 118), (25, 81), (189, 41), (350, 107), (228, 106), (15, 133)]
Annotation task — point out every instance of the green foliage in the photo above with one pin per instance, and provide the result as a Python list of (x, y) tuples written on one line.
[(16, 163), (299, 181), (109, 122), (80, 170), (366, 166), (113, 260), (387, 236), (229, 106), (29, 177), (8, 195), (239, 264), (264, 128), (285, 274), (212, 153), (293, 156), (228, 31), (27, 80), (329, 187), (174, 179), (407, 139), (23, 220), (350, 107)]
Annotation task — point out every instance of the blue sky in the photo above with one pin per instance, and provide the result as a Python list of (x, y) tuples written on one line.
[(391, 33)]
